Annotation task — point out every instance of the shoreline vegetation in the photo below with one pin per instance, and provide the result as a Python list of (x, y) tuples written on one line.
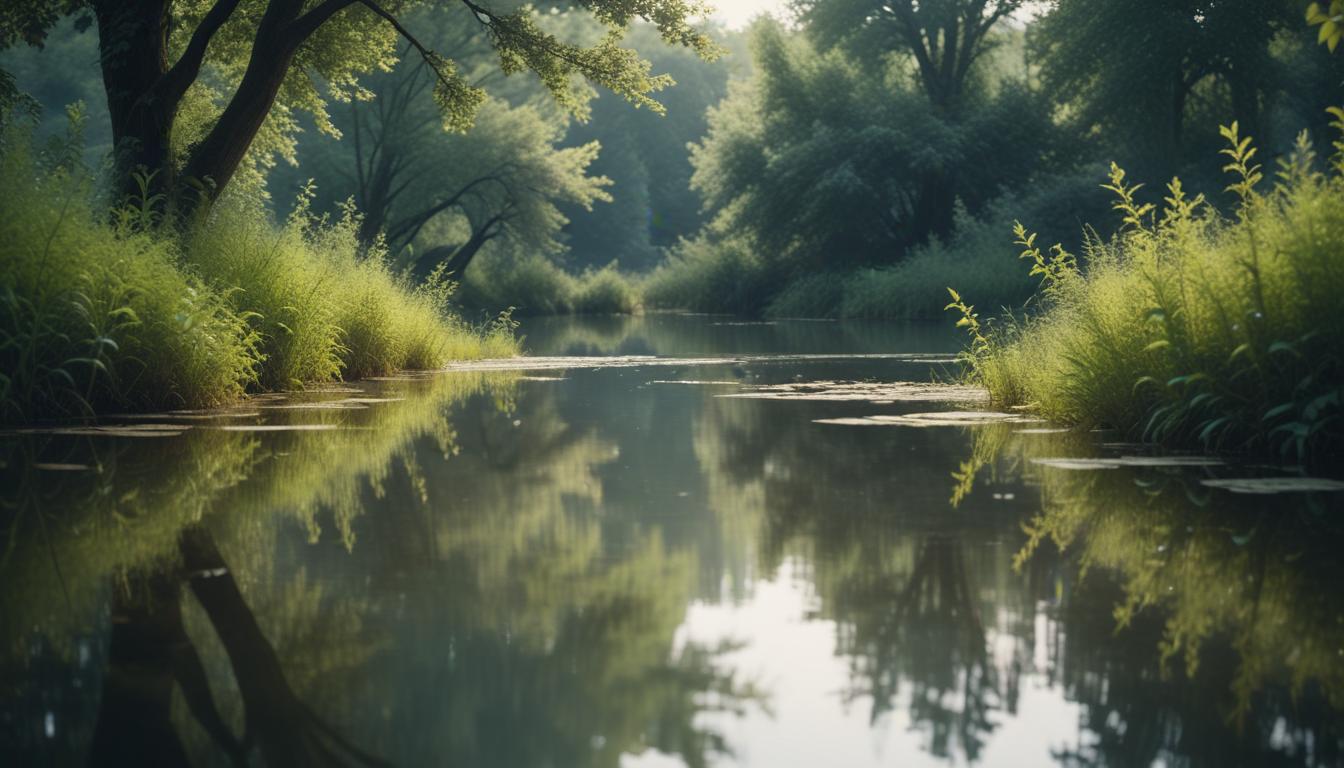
[(1189, 328), (108, 309)]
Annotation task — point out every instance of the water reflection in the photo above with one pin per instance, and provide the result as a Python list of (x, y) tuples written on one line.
[(604, 571)]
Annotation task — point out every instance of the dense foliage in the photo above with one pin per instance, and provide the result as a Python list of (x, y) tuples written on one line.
[(103, 313), (1190, 326)]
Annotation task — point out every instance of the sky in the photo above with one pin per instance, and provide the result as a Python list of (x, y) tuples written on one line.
[(736, 13)]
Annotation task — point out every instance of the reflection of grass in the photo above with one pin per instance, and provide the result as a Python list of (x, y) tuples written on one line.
[(65, 541), (1218, 568)]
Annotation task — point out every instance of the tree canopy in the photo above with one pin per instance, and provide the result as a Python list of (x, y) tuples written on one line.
[(254, 61)]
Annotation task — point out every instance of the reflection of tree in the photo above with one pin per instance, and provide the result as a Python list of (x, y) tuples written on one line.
[(150, 651), (932, 636), (533, 614), (920, 594), (476, 606)]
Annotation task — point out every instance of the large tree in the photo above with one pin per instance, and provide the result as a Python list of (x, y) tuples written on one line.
[(438, 198), (297, 53), (1136, 70), (945, 38), (824, 165)]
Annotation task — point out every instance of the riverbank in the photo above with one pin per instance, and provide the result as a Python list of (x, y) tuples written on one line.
[(1190, 328), (106, 310)]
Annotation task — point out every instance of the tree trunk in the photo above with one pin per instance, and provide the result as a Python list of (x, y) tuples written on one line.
[(462, 258), (216, 159), (133, 39)]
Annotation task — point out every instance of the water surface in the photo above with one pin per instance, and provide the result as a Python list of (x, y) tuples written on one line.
[(658, 563)]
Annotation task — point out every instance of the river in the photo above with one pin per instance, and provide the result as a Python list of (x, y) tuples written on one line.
[(669, 541)]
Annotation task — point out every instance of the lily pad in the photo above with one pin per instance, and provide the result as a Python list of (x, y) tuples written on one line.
[(1267, 485), (865, 391), (120, 430), (277, 427), (1129, 461), (936, 419)]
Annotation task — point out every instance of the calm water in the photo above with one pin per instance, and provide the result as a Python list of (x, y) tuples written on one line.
[(628, 565)]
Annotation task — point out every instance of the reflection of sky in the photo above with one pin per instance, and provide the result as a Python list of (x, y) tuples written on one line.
[(736, 13), (794, 660)]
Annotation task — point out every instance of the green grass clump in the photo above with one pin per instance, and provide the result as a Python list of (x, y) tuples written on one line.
[(605, 291), (1189, 327), (325, 306), (275, 277), (712, 274), (96, 315), (534, 285), (108, 310)]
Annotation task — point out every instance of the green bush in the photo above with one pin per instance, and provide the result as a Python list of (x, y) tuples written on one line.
[(102, 311), (1188, 327), (95, 315), (605, 291), (710, 274), (535, 285), (817, 295), (724, 274)]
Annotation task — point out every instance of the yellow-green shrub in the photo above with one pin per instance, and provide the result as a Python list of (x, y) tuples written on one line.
[(1189, 327), (95, 315)]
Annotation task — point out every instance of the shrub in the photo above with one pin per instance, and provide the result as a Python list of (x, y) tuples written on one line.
[(605, 291), (819, 295), (535, 285), (102, 311), (95, 314), (1188, 327), (710, 274)]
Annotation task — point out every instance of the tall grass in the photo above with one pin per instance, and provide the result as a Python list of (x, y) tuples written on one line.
[(96, 315), (105, 310), (1189, 327)]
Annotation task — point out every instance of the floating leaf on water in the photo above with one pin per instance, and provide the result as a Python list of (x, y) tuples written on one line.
[(277, 427), (1083, 464), (1130, 461), (1276, 485), (203, 415), (701, 383), (321, 405), (120, 430), (937, 419), (866, 391)]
